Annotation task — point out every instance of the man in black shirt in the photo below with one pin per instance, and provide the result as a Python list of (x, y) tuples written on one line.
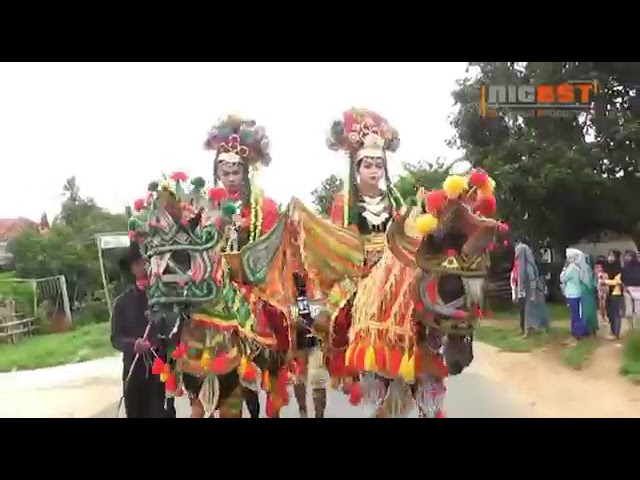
[(144, 395)]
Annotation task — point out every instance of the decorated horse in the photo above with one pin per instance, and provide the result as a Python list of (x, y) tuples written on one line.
[(212, 328), (414, 315)]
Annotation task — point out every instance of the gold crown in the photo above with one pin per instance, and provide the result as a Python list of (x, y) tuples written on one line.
[(372, 146)]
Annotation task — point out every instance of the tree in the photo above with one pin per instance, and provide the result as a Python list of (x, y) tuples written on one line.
[(69, 247), (323, 195), (427, 175), (552, 182)]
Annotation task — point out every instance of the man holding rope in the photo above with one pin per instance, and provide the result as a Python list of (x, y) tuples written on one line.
[(143, 393)]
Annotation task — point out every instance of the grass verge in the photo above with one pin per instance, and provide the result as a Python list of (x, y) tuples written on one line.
[(84, 343), (557, 312), (630, 367), (509, 339), (579, 355)]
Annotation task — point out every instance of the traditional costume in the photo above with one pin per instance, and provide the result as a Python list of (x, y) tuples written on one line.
[(242, 146), (366, 137), (411, 320), (205, 320)]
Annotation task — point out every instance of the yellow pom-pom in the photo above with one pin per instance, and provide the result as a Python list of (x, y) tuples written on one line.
[(489, 188), (455, 185), (425, 224)]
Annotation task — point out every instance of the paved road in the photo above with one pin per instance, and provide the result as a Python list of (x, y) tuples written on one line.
[(470, 395)]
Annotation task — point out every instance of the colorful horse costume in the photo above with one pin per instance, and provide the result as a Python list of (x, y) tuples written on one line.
[(413, 317), (208, 323)]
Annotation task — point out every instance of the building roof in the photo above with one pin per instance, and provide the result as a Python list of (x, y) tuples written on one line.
[(10, 227)]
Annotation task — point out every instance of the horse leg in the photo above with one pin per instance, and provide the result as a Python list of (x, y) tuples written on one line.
[(252, 401), (231, 406)]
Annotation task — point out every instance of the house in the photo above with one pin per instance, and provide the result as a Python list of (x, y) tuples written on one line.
[(9, 229)]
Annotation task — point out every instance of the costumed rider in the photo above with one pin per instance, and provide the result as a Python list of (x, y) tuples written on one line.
[(368, 203), (241, 148), (133, 335)]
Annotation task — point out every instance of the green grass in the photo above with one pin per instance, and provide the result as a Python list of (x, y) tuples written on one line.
[(557, 311), (84, 343), (579, 355), (509, 338), (630, 366)]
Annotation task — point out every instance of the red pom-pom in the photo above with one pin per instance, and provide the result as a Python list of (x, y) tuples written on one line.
[(486, 206), (179, 177), (217, 194), (505, 243), (158, 366), (139, 204), (478, 178), (503, 227), (355, 396), (170, 384), (435, 200)]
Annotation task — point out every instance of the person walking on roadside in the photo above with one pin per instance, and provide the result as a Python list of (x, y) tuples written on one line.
[(603, 288), (143, 392), (589, 284), (631, 283), (528, 291), (571, 281), (613, 269)]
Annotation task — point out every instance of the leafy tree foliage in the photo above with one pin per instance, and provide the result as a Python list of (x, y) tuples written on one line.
[(69, 247), (559, 179), (323, 195)]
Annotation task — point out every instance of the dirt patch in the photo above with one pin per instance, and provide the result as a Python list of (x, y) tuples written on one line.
[(552, 390)]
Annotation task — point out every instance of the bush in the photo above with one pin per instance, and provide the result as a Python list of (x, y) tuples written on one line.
[(22, 295), (91, 313)]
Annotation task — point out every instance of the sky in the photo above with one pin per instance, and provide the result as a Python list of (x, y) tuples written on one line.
[(118, 126)]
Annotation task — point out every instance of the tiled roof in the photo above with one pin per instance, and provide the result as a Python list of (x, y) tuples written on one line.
[(10, 227)]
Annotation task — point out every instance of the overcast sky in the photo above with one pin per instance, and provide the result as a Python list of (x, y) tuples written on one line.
[(117, 126)]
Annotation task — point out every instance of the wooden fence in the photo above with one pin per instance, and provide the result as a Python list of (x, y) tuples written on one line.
[(14, 326)]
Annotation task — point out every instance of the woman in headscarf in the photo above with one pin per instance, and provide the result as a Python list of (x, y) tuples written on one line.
[(571, 279), (589, 296), (528, 291), (631, 282), (613, 269)]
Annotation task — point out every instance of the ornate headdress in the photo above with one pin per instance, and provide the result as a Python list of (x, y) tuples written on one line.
[(238, 140), (362, 133), (241, 141)]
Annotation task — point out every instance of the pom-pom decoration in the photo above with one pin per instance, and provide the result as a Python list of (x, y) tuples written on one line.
[(435, 200), (242, 137), (486, 205), (139, 204), (455, 185), (478, 179), (217, 194), (426, 224)]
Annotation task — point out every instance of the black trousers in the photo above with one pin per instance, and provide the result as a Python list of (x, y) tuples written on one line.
[(252, 401), (522, 304), (144, 397)]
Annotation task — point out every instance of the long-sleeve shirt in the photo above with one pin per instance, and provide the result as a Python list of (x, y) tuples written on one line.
[(570, 280), (129, 323)]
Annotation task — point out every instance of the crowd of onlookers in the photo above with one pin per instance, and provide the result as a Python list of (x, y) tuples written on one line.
[(601, 292)]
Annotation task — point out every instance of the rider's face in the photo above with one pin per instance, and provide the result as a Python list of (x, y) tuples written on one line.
[(230, 174), (371, 171)]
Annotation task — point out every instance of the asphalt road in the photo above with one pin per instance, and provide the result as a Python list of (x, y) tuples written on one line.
[(470, 395)]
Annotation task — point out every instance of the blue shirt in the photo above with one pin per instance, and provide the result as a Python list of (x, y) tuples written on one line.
[(570, 279)]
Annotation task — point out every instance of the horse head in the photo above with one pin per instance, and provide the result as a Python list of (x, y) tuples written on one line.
[(449, 241), (179, 230)]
